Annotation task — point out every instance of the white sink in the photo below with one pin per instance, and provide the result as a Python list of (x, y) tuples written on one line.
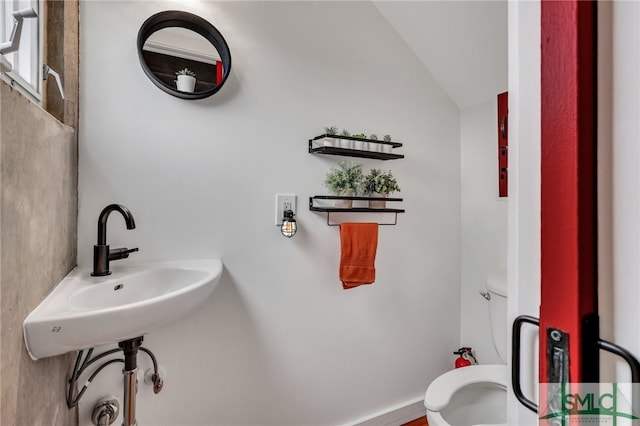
[(85, 311)]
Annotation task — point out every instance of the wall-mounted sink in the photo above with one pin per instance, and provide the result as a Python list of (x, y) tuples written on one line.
[(84, 311)]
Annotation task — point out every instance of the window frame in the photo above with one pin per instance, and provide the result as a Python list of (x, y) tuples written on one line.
[(35, 46)]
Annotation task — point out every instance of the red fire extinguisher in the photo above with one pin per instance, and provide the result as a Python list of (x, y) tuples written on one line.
[(465, 357)]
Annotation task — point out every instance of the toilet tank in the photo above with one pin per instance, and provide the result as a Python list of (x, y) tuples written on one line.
[(497, 287)]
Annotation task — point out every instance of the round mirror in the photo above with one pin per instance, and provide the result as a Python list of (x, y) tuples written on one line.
[(183, 54)]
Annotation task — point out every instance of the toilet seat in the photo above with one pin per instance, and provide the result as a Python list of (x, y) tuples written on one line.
[(442, 389)]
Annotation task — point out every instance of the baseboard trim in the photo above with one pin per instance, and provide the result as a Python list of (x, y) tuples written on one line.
[(394, 416)]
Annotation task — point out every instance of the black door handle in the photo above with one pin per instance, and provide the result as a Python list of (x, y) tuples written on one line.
[(624, 354), (633, 363), (515, 359)]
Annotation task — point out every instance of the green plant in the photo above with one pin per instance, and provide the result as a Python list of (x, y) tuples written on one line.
[(381, 182), (360, 135), (386, 138), (345, 132), (345, 178), (333, 130), (186, 71), (373, 137)]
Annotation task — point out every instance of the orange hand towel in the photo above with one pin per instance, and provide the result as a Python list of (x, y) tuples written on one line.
[(359, 242)]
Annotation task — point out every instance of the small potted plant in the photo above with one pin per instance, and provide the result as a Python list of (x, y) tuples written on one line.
[(186, 81), (345, 143), (379, 183), (330, 131), (386, 147), (373, 146), (360, 145), (345, 180)]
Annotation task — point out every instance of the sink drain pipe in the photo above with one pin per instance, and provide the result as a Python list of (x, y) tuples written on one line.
[(130, 349)]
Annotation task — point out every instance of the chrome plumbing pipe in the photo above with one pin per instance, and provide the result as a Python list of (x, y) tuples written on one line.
[(130, 349), (129, 404)]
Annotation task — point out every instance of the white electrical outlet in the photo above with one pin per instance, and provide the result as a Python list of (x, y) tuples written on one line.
[(284, 202)]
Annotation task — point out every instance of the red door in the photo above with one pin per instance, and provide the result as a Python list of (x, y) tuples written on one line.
[(503, 144), (568, 324), (569, 300)]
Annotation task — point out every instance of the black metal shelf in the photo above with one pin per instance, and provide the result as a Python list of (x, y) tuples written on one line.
[(348, 152), (330, 210), (317, 146)]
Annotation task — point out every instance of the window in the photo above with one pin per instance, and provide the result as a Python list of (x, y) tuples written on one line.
[(25, 63)]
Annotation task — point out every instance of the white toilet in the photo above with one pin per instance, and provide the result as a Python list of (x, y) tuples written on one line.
[(477, 394)]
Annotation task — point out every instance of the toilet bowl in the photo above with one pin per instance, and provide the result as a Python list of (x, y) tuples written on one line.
[(469, 396), (475, 395)]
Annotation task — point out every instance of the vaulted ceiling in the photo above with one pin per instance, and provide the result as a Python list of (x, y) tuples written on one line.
[(462, 43)]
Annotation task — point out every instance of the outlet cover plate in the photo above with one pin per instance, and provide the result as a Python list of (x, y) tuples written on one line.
[(284, 202)]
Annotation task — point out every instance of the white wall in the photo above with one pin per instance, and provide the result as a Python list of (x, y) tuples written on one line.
[(483, 248), (618, 178), (279, 341), (523, 256)]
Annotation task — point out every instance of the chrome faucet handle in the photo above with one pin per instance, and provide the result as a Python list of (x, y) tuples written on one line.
[(485, 294)]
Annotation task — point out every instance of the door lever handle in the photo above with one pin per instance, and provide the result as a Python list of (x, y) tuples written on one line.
[(515, 359), (633, 363), (624, 354)]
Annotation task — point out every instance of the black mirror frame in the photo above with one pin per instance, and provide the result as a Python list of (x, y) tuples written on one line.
[(176, 18)]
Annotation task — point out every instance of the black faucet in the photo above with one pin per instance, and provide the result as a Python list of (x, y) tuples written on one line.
[(101, 253)]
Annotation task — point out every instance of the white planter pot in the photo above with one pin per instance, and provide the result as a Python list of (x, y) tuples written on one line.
[(361, 145), (374, 147), (378, 204), (345, 204), (346, 143), (186, 83), (329, 142)]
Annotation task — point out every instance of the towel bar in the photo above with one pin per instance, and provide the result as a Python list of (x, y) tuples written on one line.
[(395, 221)]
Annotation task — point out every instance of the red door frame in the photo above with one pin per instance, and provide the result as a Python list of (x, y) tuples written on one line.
[(569, 300)]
